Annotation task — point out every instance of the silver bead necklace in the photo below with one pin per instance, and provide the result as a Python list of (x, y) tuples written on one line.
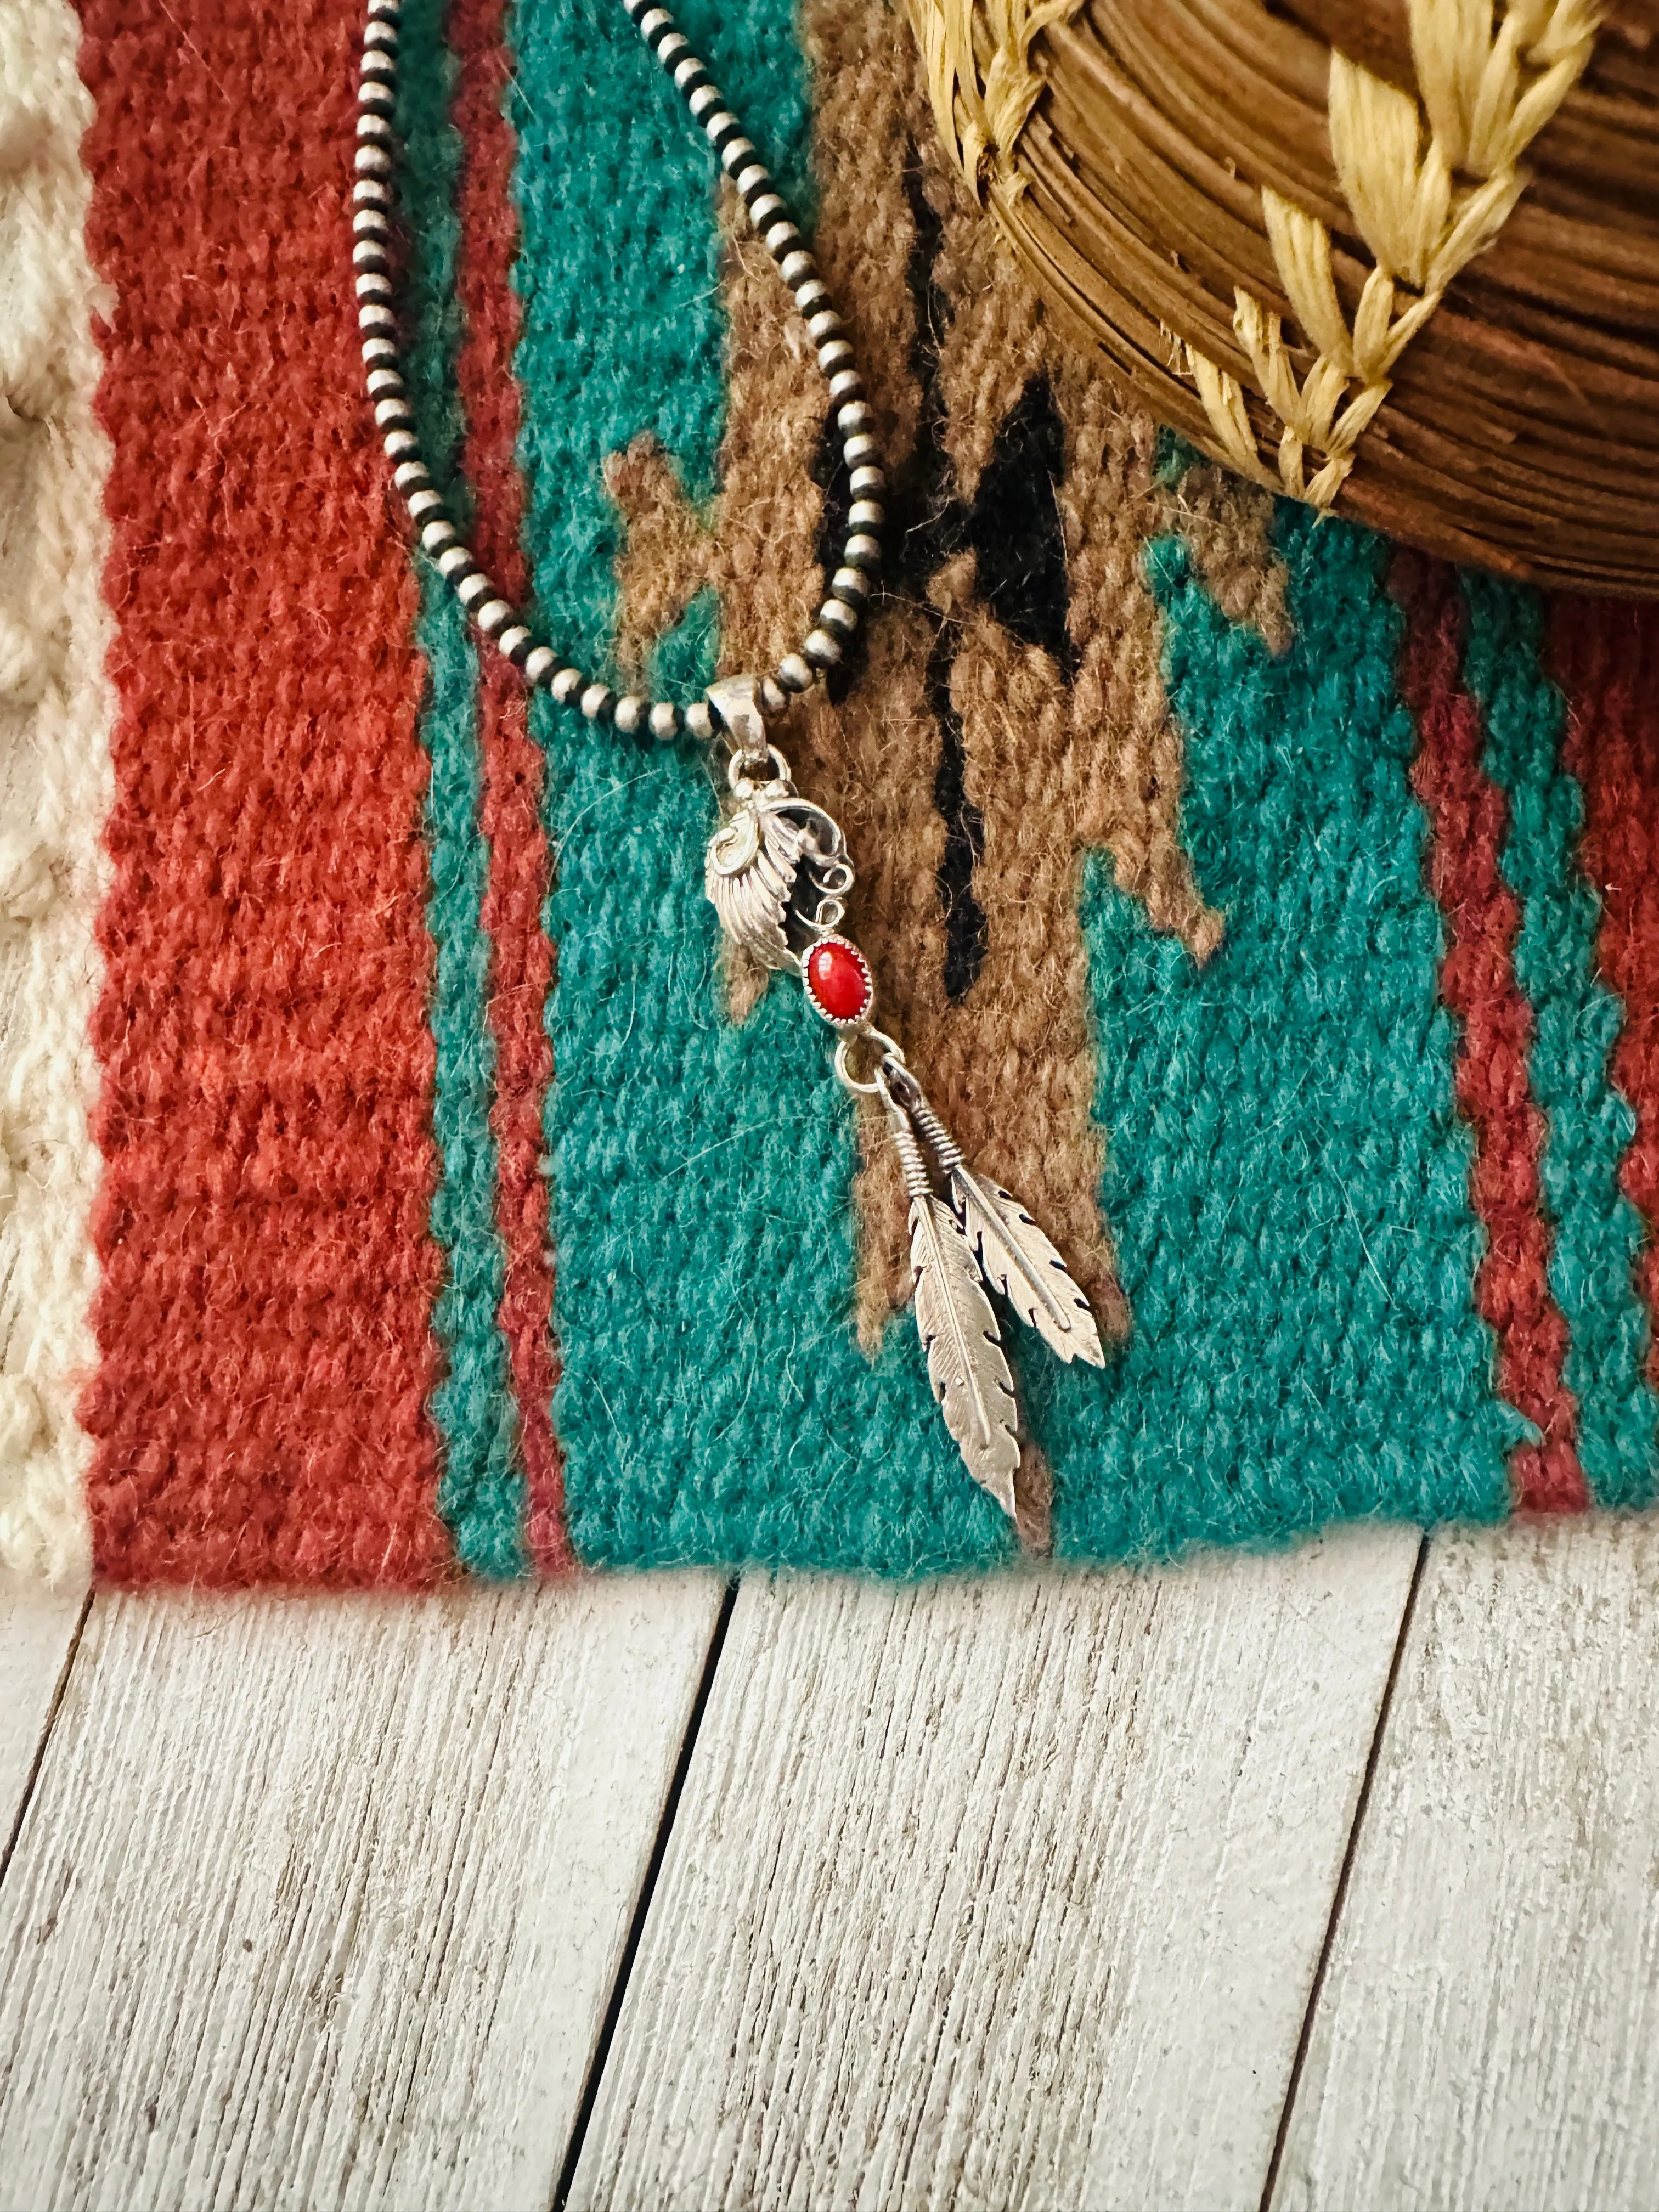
[(777, 870)]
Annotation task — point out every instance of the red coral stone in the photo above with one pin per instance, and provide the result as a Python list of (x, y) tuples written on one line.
[(837, 981)]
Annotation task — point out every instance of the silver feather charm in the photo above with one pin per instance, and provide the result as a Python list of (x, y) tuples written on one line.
[(1016, 1256), (970, 1376)]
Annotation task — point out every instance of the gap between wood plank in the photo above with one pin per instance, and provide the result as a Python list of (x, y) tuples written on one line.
[(642, 1907), (1010, 1891), (30, 1779), (1340, 1896)]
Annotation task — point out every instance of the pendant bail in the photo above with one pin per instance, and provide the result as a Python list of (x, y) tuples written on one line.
[(735, 702)]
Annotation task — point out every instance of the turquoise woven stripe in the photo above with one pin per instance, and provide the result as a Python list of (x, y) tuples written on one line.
[(715, 1404), (1598, 1233), (1288, 1177), (482, 1496)]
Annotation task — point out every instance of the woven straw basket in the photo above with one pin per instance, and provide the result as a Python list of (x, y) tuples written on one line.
[(1397, 257)]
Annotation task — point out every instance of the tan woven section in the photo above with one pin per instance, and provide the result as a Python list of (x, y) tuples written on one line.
[(1401, 258), (1056, 767)]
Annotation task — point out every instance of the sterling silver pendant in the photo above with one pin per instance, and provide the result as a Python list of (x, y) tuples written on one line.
[(777, 871), (778, 875)]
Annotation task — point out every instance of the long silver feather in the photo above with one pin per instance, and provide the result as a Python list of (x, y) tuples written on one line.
[(1016, 1258), (1019, 1261), (958, 1331)]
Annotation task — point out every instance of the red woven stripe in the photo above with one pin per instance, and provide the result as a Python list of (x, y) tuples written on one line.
[(1468, 821), (267, 1279), (1605, 656), (523, 957)]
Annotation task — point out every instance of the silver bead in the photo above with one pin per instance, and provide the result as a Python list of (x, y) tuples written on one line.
[(753, 176), (393, 409), (849, 583), (566, 684), (424, 503), (872, 478), (867, 515), (845, 383), (778, 237), (400, 445), (454, 561), (812, 295), (862, 552), (793, 674), (472, 588), (411, 475), (374, 284), (664, 720), (539, 663), (701, 100), (629, 709), (795, 267), (821, 649), (700, 721), (381, 383), (514, 640), (861, 448), (774, 701), (769, 205), (835, 615), (850, 420), (735, 155), (438, 537), (493, 615), (826, 323), (596, 702)]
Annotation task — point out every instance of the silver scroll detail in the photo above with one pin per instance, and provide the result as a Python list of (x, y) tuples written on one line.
[(777, 871)]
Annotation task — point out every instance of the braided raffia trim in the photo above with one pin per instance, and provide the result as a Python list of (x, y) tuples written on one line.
[(1486, 86), (977, 57)]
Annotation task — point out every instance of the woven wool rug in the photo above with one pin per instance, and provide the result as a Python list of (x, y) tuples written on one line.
[(396, 1180)]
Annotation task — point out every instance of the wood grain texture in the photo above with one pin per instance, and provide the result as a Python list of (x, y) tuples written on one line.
[(999, 1894), (1488, 2032), (37, 1629), (318, 1903)]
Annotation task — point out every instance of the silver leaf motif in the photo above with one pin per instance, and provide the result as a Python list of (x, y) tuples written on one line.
[(1019, 1260), (965, 1364), (777, 873)]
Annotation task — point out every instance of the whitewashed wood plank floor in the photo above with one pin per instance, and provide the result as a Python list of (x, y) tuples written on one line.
[(1314, 1881)]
